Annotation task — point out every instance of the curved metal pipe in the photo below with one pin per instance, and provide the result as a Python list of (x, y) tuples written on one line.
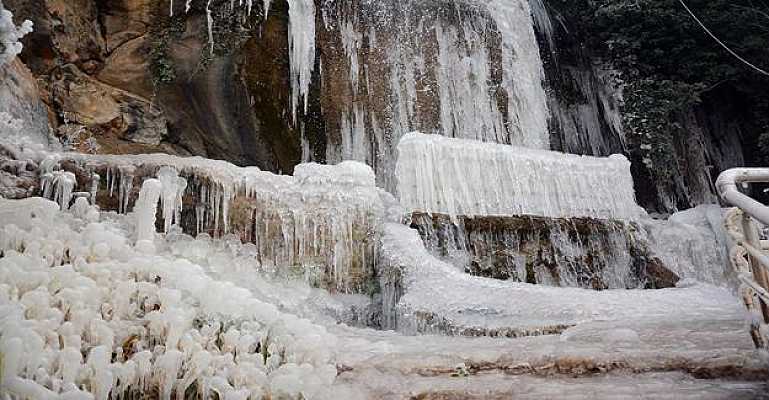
[(728, 190)]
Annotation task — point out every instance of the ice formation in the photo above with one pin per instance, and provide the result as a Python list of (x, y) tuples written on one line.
[(425, 295), (694, 244), (84, 315), (10, 34), (322, 217), (301, 43), (464, 177), (571, 252)]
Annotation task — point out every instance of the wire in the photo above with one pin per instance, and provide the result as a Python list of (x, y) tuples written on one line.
[(732, 52)]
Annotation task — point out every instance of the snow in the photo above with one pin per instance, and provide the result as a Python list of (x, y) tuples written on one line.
[(468, 178)]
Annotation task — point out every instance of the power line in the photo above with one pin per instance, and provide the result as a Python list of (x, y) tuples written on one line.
[(732, 52)]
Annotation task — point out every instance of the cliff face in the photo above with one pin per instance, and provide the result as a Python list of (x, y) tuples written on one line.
[(135, 78)]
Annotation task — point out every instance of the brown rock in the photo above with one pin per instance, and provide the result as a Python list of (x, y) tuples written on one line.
[(127, 68)]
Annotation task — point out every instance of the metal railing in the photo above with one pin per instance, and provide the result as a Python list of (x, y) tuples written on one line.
[(749, 255)]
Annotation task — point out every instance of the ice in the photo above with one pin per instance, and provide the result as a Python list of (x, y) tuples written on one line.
[(145, 321), (468, 178), (431, 296), (10, 34), (146, 208), (460, 68), (58, 186), (693, 244), (171, 199), (324, 216), (301, 43)]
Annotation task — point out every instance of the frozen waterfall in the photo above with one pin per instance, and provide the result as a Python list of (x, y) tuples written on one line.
[(469, 178)]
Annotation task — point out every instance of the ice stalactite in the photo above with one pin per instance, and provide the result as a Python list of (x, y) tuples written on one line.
[(301, 43), (58, 185), (467, 178), (171, 200)]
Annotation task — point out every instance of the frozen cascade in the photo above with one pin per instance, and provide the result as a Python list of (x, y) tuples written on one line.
[(463, 177), (466, 69), (575, 252)]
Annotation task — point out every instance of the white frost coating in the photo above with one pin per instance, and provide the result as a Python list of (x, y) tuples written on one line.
[(10, 34), (348, 173), (301, 43), (470, 178)]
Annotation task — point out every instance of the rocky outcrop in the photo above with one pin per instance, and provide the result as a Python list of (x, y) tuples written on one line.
[(20, 101)]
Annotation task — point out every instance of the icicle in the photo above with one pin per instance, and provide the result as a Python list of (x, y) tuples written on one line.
[(171, 200), (210, 23), (146, 209), (95, 180), (126, 177), (63, 185), (301, 41)]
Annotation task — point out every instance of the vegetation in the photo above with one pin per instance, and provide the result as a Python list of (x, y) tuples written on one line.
[(669, 64)]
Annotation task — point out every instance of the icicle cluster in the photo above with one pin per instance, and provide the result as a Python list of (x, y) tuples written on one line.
[(322, 217), (84, 315), (469, 178)]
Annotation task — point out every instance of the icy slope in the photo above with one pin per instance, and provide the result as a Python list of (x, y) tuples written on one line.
[(465, 177), (423, 294)]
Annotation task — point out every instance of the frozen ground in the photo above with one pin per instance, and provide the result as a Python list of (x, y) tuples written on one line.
[(82, 309)]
